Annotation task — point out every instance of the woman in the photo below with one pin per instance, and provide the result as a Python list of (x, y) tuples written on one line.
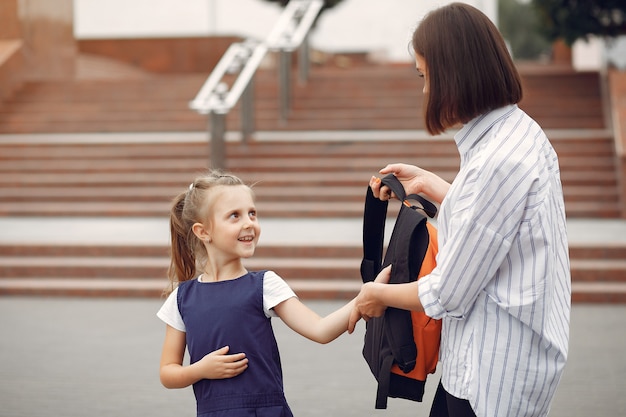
[(502, 283)]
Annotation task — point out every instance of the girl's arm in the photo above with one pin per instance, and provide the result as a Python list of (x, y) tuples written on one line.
[(309, 324), (215, 365), (375, 297)]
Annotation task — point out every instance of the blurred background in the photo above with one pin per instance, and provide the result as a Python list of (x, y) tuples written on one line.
[(110, 109)]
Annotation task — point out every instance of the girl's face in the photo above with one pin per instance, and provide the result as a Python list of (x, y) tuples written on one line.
[(233, 228), (420, 65)]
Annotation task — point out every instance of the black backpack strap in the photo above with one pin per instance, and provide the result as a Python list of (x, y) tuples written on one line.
[(396, 186), (374, 217), (384, 383)]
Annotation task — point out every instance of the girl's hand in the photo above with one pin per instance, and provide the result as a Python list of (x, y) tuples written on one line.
[(364, 305), (219, 365), (384, 275)]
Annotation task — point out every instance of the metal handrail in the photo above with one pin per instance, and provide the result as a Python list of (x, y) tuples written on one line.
[(242, 57), (216, 99), (294, 24), (291, 33)]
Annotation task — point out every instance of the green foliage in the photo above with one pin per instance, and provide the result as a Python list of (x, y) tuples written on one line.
[(571, 20), (519, 25)]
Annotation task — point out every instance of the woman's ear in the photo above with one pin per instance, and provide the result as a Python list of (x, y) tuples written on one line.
[(201, 232)]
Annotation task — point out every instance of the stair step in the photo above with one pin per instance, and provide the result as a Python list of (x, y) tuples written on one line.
[(268, 209), (129, 267), (583, 292), (158, 251), (599, 292), (153, 288), (598, 270), (365, 97), (314, 178)]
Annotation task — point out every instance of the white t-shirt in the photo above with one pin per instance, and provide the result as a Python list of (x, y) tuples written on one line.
[(275, 291)]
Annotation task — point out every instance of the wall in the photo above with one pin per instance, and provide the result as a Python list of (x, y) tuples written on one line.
[(162, 55), (11, 54), (383, 27), (48, 34)]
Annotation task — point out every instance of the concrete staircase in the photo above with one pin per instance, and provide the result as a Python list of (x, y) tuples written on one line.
[(360, 97), (314, 272), (295, 176)]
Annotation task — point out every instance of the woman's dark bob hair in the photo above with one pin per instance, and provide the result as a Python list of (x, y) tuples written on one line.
[(469, 68)]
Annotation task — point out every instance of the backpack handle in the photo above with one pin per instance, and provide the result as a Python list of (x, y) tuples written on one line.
[(395, 185)]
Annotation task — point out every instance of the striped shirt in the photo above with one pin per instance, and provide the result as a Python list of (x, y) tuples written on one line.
[(502, 285)]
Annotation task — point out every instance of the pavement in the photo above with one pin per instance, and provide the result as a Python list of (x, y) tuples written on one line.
[(95, 357)]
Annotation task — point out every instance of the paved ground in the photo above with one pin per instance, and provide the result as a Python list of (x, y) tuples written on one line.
[(99, 357)]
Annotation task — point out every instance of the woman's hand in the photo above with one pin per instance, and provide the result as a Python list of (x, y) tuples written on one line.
[(415, 180)]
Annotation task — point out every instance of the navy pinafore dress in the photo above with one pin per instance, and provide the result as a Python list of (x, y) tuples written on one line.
[(217, 314)]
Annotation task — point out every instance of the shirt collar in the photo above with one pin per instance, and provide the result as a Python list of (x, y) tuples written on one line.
[(474, 130)]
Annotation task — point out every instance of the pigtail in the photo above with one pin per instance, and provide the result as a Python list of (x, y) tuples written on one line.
[(182, 256)]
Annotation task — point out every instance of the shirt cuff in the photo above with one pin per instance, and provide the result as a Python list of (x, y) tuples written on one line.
[(429, 297)]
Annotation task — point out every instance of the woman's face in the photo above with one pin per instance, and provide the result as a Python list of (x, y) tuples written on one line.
[(420, 65)]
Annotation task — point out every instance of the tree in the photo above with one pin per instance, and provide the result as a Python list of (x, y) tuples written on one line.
[(571, 20), (518, 23)]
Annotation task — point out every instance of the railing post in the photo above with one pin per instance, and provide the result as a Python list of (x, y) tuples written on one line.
[(247, 111), (303, 61), (217, 122), (284, 81)]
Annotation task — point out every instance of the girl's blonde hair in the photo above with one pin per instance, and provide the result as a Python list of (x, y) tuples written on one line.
[(189, 207)]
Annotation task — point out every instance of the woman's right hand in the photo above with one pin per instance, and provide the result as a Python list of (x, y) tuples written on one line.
[(219, 365), (415, 180)]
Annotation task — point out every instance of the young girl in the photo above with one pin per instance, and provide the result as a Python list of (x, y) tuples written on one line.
[(221, 312)]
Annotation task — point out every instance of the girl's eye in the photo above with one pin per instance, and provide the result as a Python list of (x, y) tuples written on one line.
[(252, 214), (234, 215)]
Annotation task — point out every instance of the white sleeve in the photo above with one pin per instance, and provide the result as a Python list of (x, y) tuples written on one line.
[(275, 291), (169, 312)]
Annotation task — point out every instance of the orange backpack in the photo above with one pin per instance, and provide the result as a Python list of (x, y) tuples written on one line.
[(401, 347)]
